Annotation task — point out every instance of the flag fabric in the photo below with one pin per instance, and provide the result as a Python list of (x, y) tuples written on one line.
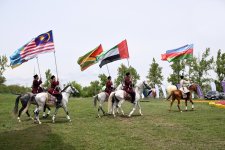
[(118, 52), (179, 53), (39, 45), (90, 58)]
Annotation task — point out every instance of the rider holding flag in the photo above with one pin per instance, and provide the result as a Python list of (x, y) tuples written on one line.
[(128, 87), (183, 85), (36, 85), (109, 87), (54, 90)]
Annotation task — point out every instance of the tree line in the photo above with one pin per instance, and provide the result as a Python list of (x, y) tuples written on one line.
[(196, 69)]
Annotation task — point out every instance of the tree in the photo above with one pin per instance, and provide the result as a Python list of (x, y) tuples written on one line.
[(154, 74), (48, 75), (177, 67), (122, 70), (199, 69), (103, 79), (77, 86), (3, 65), (91, 90), (220, 69)]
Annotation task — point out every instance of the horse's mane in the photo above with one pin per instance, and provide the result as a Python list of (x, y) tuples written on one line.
[(65, 87)]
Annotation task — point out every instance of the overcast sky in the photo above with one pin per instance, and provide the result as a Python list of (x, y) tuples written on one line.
[(150, 26)]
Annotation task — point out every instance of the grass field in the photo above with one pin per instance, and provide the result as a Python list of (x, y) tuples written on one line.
[(203, 128)]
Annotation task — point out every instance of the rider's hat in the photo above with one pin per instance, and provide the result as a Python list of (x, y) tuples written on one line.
[(128, 73), (181, 76), (109, 77), (52, 77), (35, 76)]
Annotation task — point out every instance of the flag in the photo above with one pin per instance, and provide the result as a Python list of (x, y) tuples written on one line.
[(179, 53), (39, 45), (118, 52), (90, 58)]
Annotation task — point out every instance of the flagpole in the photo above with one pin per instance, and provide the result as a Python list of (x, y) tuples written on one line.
[(128, 63), (108, 69), (56, 66), (38, 67)]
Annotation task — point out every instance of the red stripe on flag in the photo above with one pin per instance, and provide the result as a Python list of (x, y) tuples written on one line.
[(170, 55), (123, 49), (31, 50)]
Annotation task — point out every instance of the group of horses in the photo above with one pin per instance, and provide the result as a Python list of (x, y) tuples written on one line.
[(115, 100), (43, 100)]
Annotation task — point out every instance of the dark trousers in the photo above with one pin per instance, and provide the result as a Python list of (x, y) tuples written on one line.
[(58, 97), (132, 94)]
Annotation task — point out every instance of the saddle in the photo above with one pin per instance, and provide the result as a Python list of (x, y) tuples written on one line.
[(127, 96), (51, 100)]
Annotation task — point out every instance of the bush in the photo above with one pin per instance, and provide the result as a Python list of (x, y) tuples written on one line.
[(16, 89)]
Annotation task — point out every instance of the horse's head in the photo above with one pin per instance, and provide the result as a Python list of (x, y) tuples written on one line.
[(70, 89), (146, 86), (193, 87), (74, 90)]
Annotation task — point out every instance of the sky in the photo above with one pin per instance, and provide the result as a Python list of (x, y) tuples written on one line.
[(150, 27)]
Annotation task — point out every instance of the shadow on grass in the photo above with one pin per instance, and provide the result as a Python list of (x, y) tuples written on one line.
[(36, 137)]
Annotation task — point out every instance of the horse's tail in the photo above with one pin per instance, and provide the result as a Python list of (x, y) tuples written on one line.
[(170, 95), (28, 104), (95, 100), (110, 102), (15, 109)]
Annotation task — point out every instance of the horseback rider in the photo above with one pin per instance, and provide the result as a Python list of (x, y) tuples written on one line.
[(36, 85), (55, 91), (109, 87), (183, 85), (128, 86)]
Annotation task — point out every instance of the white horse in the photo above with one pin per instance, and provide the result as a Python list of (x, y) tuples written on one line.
[(103, 97), (119, 97), (43, 99)]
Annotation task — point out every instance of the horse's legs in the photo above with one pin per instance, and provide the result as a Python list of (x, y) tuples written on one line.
[(178, 104), (171, 103), (38, 109), (49, 111), (113, 109), (186, 104), (120, 106), (192, 106), (53, 117), (67, 113), (100, 108), (134, 108), (20, 111), (139, 106)]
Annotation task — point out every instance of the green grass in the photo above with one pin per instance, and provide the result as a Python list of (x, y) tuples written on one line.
[(202, 128)]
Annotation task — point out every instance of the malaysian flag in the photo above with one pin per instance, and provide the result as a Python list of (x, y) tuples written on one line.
[(39, 45)]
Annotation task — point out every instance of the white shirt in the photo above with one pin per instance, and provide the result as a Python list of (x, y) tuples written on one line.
[(183, 83)]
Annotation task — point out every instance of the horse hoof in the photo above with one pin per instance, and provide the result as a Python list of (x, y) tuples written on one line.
[(70, 120), (141, 114), (181, 111), (39, 122), (19, 121)]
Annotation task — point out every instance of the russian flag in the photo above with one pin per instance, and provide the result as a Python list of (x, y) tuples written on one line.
[(179, 53)]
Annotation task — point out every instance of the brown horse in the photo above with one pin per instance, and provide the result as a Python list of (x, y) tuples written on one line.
[(177, 94)]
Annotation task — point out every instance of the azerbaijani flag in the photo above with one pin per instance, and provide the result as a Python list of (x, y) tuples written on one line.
[(179, 53), (118, 52), (90, 58)]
